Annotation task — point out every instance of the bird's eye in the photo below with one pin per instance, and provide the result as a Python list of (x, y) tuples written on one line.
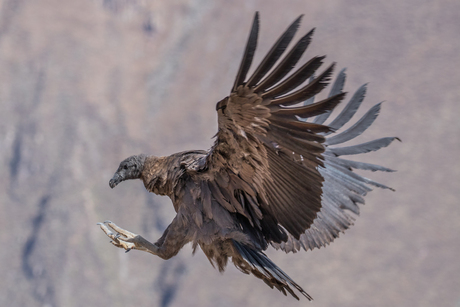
[(125, 167)]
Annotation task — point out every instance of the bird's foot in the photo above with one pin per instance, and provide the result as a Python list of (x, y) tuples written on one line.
[(120, 237)]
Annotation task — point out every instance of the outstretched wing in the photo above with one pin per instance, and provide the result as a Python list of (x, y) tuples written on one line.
[(274, 171), (342, 188)]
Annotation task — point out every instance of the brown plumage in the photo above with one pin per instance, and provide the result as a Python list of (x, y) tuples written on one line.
[(271, 177)]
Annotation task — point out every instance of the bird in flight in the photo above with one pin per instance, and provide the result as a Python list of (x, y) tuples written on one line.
[(274, 175)]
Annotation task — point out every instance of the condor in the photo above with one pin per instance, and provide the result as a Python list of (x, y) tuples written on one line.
[(274, 175)]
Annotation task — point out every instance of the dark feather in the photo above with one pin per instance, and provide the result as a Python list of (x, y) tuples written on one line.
[(269, 270), (206, 199), (248, 53), (287, 64), (311, 109), (301, 126), (336, 89), (275, 53), (350, 109), (296, 79), (312, 98), (308, 91)]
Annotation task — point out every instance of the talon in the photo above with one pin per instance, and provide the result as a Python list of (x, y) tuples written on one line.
[(120, 238), (99, 223)]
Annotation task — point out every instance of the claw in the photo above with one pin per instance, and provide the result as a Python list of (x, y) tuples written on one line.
[(121, 231), (120, 237)]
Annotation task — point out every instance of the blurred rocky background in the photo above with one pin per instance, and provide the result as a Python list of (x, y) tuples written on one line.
[(84, 84)]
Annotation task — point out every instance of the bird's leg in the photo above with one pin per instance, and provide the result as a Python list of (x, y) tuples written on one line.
[(172, 240), (127, 240)]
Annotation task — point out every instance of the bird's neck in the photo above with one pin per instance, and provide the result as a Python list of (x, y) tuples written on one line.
[(160, 174)]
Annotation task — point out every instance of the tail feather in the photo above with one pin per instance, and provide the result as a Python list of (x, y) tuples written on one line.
[(262, 267)]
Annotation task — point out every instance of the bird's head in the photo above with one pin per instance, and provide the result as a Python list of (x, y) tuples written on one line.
[(130, 168)]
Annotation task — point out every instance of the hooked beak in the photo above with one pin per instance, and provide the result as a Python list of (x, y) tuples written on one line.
[(115, 180)]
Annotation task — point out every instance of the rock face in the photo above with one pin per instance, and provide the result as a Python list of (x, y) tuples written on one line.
[(84, 84)]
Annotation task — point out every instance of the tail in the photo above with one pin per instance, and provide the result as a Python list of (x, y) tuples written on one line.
[(257, 263)]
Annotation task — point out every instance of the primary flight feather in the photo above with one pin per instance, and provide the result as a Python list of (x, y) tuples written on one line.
[(274, 175)]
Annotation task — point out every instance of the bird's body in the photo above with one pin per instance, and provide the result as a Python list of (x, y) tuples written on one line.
[(271, 177)]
